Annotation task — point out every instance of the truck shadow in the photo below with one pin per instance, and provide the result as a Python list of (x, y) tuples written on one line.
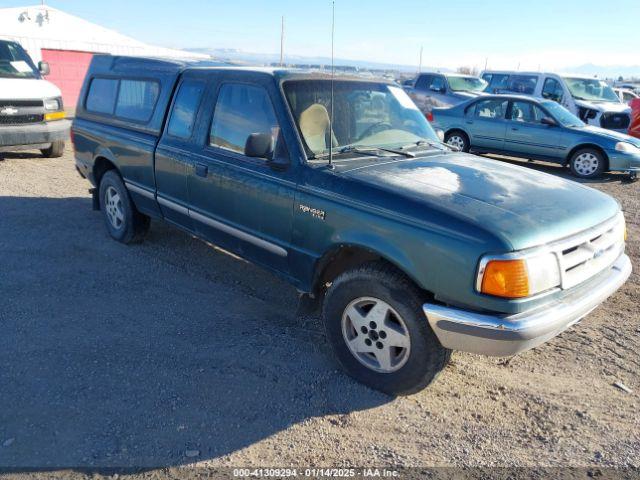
[(154, 355)]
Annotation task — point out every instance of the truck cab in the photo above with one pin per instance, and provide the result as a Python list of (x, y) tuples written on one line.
[(31, 111), (341, 187), (435, 89)]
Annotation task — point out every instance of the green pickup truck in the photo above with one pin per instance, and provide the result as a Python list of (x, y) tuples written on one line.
[(341, 187)]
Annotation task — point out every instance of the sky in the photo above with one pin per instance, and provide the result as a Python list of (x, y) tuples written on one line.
[(545, 34)]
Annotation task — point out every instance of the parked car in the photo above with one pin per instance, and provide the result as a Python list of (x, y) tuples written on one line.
[(411, 248), (592, 100), (626, 95), (433, 89), (31, 110), (537, 129)]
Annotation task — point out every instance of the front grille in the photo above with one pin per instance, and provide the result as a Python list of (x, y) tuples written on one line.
[(20, 119), (21, 103), (615, 121), (591, 252)]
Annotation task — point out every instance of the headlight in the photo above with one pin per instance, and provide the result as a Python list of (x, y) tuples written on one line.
[(53, 104), (512, 276), (627, 147)]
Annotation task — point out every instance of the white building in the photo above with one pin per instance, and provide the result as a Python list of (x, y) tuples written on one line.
[(68, 43)]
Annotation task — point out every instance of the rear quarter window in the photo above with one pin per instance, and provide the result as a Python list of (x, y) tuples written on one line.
[(102, 95)]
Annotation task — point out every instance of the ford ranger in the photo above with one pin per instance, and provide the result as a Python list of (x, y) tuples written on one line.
[(341, 187)]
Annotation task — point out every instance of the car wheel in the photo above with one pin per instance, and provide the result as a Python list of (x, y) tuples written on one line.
[(56, 150), (123, 221), (587, 163), (379, 334), (458, 139)]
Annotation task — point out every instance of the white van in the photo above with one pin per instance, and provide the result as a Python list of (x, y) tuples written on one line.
[(31, 110), (591, 99)]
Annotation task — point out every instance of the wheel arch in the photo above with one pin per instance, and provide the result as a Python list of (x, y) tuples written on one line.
[(102, 163), (346, 256), (582, 146)]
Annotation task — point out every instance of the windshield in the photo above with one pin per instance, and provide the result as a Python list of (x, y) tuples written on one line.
[(471, 84), (15, 63), (591, 89), (366, 114), (562, 115)]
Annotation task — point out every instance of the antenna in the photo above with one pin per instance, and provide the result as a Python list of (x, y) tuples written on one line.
[(420, 62), (333, 72), (282, 42)]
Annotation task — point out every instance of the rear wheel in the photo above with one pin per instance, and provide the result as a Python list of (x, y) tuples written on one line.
[(587, 163), (379, 334), (123, 221), (56, 150), (458, 139)]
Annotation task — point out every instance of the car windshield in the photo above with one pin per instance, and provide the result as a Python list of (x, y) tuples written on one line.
[(471, 84), (562, 115), (15, 63), (365, 114), (591, 89)]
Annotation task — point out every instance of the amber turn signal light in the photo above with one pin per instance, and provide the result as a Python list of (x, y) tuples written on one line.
[(53, 116), (506, 278)]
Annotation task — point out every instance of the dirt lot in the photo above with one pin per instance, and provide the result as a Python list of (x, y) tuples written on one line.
[(171, 353)]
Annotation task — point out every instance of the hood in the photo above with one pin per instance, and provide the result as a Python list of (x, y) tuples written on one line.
[(27, 89), (614, 107), (522, 207), (610, 134)]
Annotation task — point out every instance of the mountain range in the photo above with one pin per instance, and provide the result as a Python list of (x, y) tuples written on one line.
[(252, 58)]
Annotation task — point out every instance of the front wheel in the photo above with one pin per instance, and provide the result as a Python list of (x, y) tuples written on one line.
[(458, 139), (56, 150), (587, 163), (378, 332)]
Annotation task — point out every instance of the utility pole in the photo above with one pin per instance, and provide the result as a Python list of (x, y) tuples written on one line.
[(420, 61), (281, 42)]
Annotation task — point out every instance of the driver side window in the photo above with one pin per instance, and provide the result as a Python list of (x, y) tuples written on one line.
[(242, 110)]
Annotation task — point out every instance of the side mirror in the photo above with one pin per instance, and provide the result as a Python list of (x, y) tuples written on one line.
[(259, 145), (44, 68), (548, 121)]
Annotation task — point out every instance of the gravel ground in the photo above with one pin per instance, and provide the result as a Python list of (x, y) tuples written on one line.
[(171, 353)]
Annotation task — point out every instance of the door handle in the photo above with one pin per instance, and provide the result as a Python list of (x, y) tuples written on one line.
[(469, 122), (201, 170), (515, 129)]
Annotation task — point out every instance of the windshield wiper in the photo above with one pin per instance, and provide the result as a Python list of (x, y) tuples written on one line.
[(437, 146), (362, 150)]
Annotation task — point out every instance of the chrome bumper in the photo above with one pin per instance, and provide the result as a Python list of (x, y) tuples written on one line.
[(506, 335)]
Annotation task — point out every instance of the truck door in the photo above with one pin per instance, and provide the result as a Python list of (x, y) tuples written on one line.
[(242, 202), (176, 153)]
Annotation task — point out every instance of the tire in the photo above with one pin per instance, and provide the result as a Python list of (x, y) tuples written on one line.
[(363, 292), (56, 150), (458, 138), (587, 163), (123, 221)]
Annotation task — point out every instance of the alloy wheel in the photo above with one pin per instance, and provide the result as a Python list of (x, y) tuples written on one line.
[(456, 141), (376, 334), (113, 208)]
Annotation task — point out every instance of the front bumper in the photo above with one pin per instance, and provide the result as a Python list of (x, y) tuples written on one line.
[(624, 162), (506, 335), (34, 134)]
